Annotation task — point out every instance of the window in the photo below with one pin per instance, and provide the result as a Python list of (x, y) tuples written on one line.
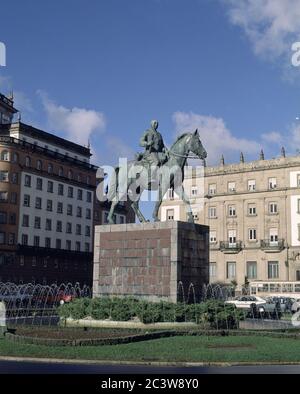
[(49, 205), (195, 215), (251, 185), (26, 201), (14, 178), (212, 189), (232, 237), (15, 158), (69, 228), (78, 229), (3, 196), (61, 171), (194, 191), (50, 168), (170, 194), (251, 270), (231, 187), (252, 234), (39, 165), (86, 247), (3, 176), (231, 210), (37, 222), (27, 161), (79, 178), (60, 207), (79, 212), (27, 180), (22, 260), (79, 194), (2, 238), (231, 270), (273, 236), (69, 210), (77, 246), (13, 197), (59, 226), (70, 192), (70, 174), (170, 214), (24, 239), (212, 237), (87, 231), (12, 218), (60, 189), (48, 224), (38, 203), (36, 241), (68, 245), (89, 197), (122, 219), (25, 221), (273, 208), (5, 155), (273, 269), (39, 183), (212, 212), (47, 242), (272, 183), (212, 270), (3, 217), (11, 239), (50, 187), (251, 209), (88, 214), (58, 244)]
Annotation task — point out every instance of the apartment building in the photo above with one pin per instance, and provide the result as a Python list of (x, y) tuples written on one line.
[(48, 205), (253, 211)]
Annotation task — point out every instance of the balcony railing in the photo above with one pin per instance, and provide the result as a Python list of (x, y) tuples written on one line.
[(272, 246), (231, 247)]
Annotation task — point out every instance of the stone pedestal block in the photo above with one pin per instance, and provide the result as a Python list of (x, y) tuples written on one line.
[(156, 261)]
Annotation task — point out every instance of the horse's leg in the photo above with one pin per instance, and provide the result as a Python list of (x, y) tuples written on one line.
[(135, 207), (185, 199), (110, 217), (161, 192)]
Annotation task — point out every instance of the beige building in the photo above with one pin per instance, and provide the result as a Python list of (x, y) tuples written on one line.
[(253, 211)]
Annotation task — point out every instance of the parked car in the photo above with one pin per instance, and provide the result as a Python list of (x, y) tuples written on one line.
[(296, 306), (285, 303), (245, 302), (272, 309)]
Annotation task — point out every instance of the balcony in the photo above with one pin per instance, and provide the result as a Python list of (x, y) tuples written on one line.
[(272, 246), (231, 247)]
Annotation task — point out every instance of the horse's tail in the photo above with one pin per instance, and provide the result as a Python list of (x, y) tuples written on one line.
[(114, 183)]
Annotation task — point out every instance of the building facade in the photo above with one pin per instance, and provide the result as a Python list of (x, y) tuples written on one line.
[(253, 211), (48, 205)]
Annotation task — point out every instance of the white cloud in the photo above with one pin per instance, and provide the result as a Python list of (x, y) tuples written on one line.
[(271, 25), (215, 136), (274, 137), (76, 124)]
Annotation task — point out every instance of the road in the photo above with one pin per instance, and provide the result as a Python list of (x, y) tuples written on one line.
[(25, 367)]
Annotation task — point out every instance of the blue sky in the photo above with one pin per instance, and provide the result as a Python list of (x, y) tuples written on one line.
[(102, 69)]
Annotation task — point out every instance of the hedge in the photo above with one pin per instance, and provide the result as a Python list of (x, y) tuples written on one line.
[(214, 313)]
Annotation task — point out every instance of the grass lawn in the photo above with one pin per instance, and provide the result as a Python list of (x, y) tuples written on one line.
[(174, 349)]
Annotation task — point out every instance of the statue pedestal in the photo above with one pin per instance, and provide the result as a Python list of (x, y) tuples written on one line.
[(156, 261)]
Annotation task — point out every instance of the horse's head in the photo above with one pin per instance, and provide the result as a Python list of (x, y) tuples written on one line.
[(196, 146)]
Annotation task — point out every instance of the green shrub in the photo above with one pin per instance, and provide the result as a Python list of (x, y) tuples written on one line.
[(99, 308)]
